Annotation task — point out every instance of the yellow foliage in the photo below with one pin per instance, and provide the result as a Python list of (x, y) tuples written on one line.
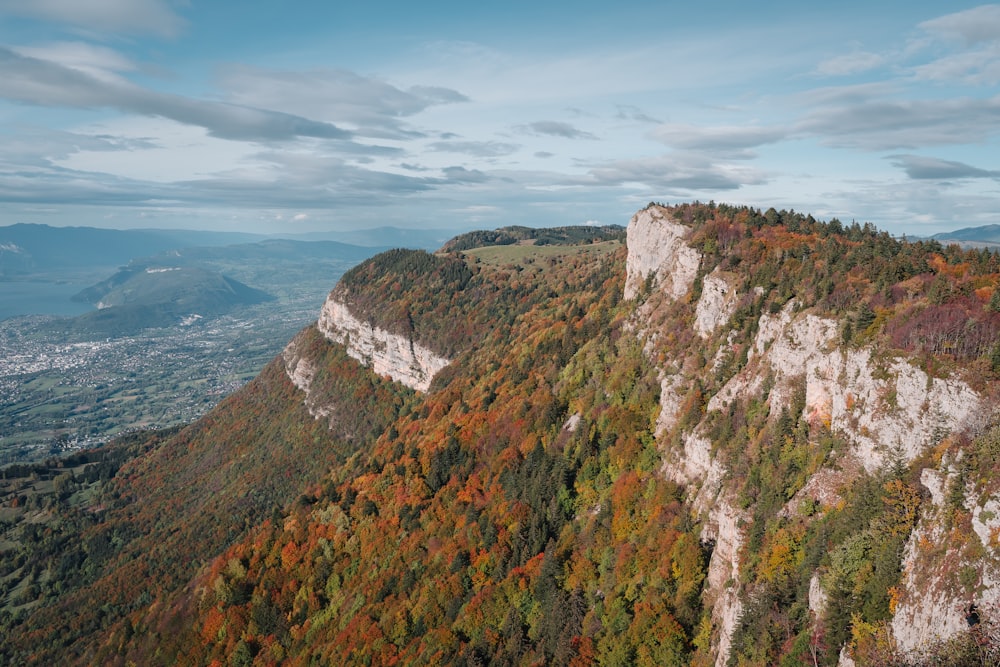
[(871, 643), (894, 597)]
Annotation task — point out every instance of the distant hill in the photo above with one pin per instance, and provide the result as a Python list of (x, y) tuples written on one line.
[(44, 266), (270, 250), (31, 248), (141, 297), (986, 235), (394, 237)]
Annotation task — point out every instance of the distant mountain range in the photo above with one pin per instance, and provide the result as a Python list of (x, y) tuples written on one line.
[(267, 250), (33, 248), (986, 235), (30, 248)]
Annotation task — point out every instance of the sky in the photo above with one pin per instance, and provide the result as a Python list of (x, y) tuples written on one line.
[(280, 117)]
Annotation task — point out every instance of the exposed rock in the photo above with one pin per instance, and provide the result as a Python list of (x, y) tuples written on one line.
[(942, 573), (935, 483), (384, 352), (986, 522), (657, 246), (723, 571), (670, 403), (704, 476), (824, 486), (717, 304), (931, 609), (572, 423), (301, 371), (818, 598), (885, 409)]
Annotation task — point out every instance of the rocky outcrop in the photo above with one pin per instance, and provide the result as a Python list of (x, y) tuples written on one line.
[(887, 409), (658, 255), (384, 352), (717, 303), (657, 249), (946, 572), (301, 371)]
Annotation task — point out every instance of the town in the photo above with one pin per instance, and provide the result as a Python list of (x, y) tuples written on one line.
[(57, 397)]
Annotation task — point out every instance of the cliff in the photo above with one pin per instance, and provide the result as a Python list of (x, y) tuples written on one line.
[(883, 409), (384, 352), (744, 438)]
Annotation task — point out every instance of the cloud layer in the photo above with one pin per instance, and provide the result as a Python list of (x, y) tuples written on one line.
[(146, 107)]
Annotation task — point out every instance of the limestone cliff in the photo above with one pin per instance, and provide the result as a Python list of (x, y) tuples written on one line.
[(886, 409), (384, 352), (656, 249)]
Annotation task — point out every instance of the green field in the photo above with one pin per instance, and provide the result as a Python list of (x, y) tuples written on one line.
[(530, 255)]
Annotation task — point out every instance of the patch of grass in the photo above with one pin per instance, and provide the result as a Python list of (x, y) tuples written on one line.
[(529, 255)]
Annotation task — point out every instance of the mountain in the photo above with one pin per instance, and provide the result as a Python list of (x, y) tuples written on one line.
[(986, 235), (532, 236), (380, 237), (739, 437), (144, 296), (33, 248), (269, 250)]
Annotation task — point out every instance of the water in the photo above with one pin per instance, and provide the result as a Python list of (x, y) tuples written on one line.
[(29, 297)]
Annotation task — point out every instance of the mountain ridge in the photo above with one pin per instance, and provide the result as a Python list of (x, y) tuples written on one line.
[(628, 460)]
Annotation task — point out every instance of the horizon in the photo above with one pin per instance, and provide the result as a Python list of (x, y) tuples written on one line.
[(152, 114)]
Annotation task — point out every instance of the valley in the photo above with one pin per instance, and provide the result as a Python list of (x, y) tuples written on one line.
[(68, 383), (60, 397)]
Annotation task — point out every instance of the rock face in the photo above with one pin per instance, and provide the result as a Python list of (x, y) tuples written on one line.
[(716, 305), (301, 371), (656, 247), (944, 572), (887, 410), (384, 352)]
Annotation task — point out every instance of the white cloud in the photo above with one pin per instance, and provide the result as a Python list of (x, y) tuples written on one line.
[(92, 59), (555, 128), (850, 63), (929, 168), (102, 16), (47, 83), (484, 149), (372, 106), (676, 173), (980, 67), (882, 123), (717, 138), (979, 24)]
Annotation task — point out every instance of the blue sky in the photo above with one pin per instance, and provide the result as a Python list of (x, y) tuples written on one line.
[(250, 116)]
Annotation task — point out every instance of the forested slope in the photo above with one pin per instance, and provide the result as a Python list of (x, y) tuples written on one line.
[(749, 461)]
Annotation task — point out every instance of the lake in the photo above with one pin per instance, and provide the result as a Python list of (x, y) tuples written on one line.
[(29, 297)]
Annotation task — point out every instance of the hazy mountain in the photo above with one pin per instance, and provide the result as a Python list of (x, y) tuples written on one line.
[(33, 248), (987, 235), (146, 296), (269, 250), (741, 437), (395, 237)]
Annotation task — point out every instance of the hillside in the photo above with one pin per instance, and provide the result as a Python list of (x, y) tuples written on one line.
[(985, 235), (143, 296), (740, 437)]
